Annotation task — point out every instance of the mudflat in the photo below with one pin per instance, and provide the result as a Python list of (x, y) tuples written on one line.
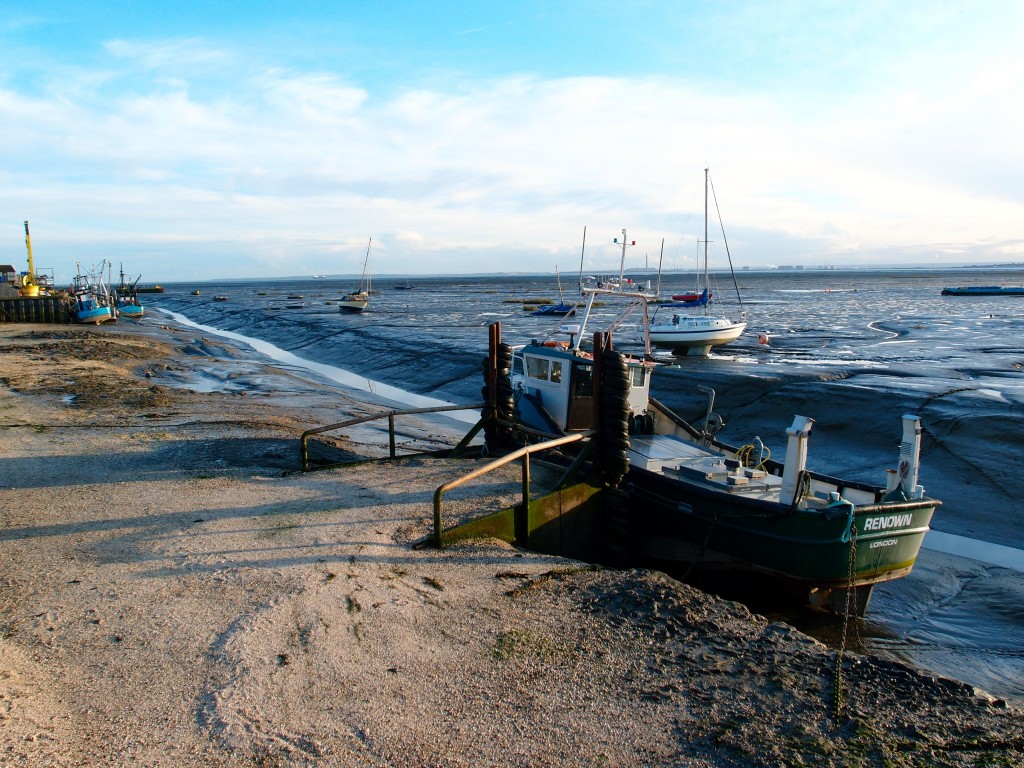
[(174, 593)]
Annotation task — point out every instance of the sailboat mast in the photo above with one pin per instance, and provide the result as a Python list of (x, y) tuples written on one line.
[(706, 284), (707, 277), (366, 264)]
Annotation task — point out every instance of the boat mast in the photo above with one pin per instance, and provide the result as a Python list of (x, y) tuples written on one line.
[(661, 257), (366, 263), (707, 278)]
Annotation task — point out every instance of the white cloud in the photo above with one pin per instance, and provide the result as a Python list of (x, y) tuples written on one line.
[(169, 55), (283, 164)]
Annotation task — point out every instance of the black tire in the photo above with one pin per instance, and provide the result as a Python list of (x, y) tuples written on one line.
[(613, 441)]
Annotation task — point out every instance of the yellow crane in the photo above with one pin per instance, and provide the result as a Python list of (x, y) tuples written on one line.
[(28, 282)]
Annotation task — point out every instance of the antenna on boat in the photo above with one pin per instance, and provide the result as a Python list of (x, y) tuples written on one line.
[(582, 249), (622, 261)]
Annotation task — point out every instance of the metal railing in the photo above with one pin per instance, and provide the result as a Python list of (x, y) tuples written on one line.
[(392, 451), (523, 453)]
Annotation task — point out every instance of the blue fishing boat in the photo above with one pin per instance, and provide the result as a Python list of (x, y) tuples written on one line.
[(91, 301), (128, 304)]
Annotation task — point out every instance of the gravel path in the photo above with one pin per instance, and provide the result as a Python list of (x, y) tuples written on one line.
[(172, 593)]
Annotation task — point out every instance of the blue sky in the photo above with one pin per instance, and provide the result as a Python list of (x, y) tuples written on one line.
[(227, 139)]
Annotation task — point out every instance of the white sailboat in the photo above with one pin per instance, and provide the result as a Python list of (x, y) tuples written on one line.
[(359, 299), (695, 334)]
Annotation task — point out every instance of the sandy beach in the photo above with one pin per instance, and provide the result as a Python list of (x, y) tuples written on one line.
[(174, 593)]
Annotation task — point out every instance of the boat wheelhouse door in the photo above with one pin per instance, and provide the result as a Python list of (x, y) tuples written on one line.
[(581, 397)]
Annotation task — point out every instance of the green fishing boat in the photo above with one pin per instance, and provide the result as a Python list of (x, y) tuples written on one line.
[(676, 494)]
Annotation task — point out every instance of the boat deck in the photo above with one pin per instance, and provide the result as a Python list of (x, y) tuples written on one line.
[(681, 460)]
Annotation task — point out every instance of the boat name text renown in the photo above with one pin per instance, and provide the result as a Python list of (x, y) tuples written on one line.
[(883, 523)]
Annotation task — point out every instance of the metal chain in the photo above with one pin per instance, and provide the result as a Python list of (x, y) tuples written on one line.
[(837, 682)]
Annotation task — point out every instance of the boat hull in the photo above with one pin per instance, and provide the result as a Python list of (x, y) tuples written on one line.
[(689, 296), (696, 335), (985, 290), (555, 310), (816, 551), (94, 315), (131, 311)]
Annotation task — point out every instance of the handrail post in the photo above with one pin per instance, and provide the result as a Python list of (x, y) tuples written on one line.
[(304, 451), (523, 527), (391, 434), (437, 516)]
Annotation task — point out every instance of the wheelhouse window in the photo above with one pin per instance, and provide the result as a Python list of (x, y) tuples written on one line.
[(537, 368), (544, 369), (639, 376)]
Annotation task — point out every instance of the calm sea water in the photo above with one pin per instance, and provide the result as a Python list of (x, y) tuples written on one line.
[(824, 318), (888, 336)]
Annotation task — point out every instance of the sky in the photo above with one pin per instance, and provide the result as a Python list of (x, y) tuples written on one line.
[(210, 140)]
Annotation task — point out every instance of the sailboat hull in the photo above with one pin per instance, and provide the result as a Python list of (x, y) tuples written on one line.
[(696, 335), (354, 302)]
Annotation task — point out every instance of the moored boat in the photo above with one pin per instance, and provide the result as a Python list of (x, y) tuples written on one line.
[(359, 299), (127, 298), (688, 326), (692, 296), (91, 302), (680, 496), (90, 308), (129, 306), (694, 335), (561, 309), (554, 310), (985, 290)]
